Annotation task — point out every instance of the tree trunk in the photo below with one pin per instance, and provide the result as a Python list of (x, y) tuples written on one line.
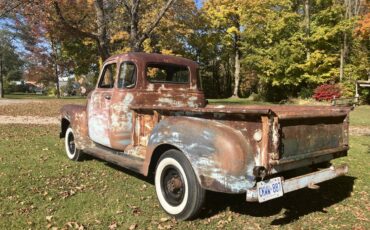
[(214, 80), (55, 51), (229, 76), (344, 46), (103, 43), (307, 25), (343, 53), (134, 25), (1, 77), (237, 72)]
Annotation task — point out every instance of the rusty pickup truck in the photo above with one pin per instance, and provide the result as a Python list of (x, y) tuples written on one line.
[(148, 114)]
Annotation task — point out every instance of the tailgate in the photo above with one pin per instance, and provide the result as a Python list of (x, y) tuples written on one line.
[(308, 135)]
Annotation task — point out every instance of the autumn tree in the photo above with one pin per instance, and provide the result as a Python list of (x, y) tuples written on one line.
[(134, 11), (11, 64), (224, 16)]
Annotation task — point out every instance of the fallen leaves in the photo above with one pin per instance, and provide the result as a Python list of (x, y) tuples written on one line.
[(48, 218), (74, 225), (135, 210), (164, 219), (113, 226), (119, 212)]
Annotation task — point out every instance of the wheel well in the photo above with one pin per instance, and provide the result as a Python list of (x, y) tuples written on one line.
[(64, 126), (157, 153)]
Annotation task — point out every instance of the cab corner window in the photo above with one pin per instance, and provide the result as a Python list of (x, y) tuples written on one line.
[(108, 76), (127, 75)]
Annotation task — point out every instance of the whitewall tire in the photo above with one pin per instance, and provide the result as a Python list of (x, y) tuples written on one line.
[(72, 152), (177, 187)]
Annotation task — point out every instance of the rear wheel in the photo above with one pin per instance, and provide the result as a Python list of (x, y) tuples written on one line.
[(177, 187), (72, 152)]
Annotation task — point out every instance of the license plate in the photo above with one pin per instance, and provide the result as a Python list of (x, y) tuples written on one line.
[(269, 189)]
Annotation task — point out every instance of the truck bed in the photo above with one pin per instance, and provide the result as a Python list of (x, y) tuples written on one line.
[(291, 136)]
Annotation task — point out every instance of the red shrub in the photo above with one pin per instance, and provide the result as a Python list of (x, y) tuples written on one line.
[(327, 92)]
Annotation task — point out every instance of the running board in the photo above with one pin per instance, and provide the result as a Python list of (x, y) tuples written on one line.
[(118, 158)]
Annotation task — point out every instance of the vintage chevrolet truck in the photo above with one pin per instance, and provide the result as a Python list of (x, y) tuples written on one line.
[(148, 114)]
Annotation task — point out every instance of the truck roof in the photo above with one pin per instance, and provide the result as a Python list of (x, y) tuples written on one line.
[(153, 57)]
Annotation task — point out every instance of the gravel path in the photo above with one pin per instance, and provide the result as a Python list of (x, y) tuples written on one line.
[(18, 101), (29, 120), (359, 130)]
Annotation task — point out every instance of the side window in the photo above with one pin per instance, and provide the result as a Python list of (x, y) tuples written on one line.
[(108, 76), (127, 75), (167, 73)]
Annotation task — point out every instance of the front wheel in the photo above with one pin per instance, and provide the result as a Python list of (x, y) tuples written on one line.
[(177, 187), (72, 152)]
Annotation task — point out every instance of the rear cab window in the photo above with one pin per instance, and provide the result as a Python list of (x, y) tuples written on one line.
[(167, 73)]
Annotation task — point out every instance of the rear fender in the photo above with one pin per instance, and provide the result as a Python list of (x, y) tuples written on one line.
[(221, 156)]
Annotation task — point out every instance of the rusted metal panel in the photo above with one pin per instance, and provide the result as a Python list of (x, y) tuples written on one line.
[(98, 111), (221, 156), (248, 110), (264, 152), (275, 139), (309, 135), (77, 117)]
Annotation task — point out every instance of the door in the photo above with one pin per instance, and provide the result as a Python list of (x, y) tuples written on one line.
[(99, 106), (121, 115)]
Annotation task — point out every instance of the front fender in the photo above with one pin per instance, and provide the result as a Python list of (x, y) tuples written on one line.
[(221, 156), (77, 119)]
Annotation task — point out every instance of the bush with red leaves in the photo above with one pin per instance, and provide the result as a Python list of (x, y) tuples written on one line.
[(327, 92)]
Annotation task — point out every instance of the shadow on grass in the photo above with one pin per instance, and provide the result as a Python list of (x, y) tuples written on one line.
[(295, 204), (148, 179)]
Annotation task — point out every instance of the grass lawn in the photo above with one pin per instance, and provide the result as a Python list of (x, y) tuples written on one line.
[(360, 116), (41, 188)]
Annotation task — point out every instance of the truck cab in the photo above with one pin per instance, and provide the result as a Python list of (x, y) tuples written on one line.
[(138, 79)]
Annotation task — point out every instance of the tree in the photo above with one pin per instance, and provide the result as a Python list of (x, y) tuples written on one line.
[(11, 63), (132, 10), (137, 36), (225, 16), (352, 8), (363, 26)]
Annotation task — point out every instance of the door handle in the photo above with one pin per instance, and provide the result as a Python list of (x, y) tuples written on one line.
[(108, 97)]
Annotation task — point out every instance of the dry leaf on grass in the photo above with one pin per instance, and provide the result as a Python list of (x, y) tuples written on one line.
[(132, 226), (113, 226), (48, 218)]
